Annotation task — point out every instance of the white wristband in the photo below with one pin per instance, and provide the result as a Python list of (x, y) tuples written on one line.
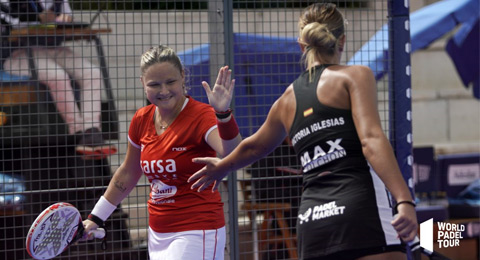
[(103, 209)]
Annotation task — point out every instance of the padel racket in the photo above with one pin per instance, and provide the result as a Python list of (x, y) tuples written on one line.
[(56, 228)]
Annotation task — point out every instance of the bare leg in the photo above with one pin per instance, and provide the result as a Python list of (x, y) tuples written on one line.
[(89, 80), (52, 75)]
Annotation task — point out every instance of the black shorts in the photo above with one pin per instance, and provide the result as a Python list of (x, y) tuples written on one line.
[(357, 253)]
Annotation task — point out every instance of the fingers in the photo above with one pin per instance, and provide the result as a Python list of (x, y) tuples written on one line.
[(206, 87), (410, 236), (197, 175), (405, 227), (228, 79), (201, 184), (224, 78), (397, 221), (205, 184), (232, 86), (205, 177), (88, 236), (87, 233), (222, 75), (407, 236), (215, 187), (202, 160)]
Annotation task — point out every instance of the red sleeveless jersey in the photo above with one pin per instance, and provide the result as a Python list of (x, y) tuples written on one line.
[(166, 161)]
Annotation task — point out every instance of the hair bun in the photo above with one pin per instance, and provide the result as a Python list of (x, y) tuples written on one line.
[(319, 37)]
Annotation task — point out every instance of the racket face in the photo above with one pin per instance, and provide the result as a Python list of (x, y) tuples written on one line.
[(53, 230)]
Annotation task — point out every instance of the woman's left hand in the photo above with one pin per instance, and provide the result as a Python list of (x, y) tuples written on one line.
[(405, 222), (208, 175), (221, 95)]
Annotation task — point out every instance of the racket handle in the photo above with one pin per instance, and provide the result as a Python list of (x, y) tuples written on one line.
[(98, 233), (414, 244)]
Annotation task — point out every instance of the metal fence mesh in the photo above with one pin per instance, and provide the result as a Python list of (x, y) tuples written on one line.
[(39, 165)]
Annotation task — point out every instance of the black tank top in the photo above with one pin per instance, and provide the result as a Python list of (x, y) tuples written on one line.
[(342, 199), (324, 138)]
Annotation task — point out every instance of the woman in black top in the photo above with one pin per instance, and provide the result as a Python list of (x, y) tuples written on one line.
[(330, 114)]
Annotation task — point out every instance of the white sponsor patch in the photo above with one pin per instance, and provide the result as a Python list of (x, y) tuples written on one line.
[(161, 191)]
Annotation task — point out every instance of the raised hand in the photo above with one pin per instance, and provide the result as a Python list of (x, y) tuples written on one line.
[(221, 94)]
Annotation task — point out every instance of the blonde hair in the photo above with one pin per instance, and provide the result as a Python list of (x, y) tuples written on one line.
[(159, 54), (320, 27)]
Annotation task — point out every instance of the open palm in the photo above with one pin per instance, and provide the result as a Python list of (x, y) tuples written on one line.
[(220, 96)]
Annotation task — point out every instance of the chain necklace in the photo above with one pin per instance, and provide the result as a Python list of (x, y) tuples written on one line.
[(166, 126)]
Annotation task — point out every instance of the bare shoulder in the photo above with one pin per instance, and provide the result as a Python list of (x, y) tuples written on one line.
[(358, 71), (283, 110), (287, 98), (349, 70), (350, 75)]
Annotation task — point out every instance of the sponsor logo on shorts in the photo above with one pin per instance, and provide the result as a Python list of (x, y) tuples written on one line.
[(322, 211)]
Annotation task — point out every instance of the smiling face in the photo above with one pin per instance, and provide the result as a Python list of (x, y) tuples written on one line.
[(163, 83)]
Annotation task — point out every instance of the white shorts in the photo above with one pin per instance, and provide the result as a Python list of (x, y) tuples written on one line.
[(187, 245)]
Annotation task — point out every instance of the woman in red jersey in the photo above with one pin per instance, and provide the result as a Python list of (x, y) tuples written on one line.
[(163, 138)]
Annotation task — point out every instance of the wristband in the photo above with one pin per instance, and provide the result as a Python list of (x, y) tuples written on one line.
[(96, 220), (405, 202), (223, 115), (100, 223), (228, 130), (103, 209)]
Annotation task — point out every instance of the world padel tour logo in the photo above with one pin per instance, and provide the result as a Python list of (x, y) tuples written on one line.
[(448, 234)]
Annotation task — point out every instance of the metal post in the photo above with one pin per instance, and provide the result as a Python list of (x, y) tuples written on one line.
[(221, 52), (216, 28), (400, 87), (232, 179), (112, 120)]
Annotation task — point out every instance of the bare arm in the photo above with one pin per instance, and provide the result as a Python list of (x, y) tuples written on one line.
[(221, 146), (125, 178), (121, 184), (251, 149), (377, 148), (220, 97)]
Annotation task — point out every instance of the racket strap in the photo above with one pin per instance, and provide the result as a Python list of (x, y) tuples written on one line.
[(100, 223)]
